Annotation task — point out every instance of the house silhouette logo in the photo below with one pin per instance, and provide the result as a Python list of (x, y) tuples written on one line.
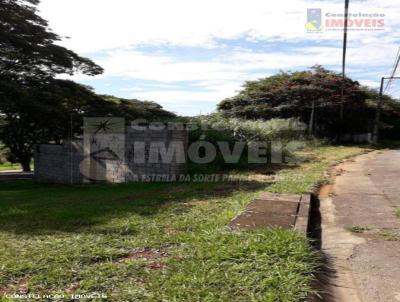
[(314, 20)]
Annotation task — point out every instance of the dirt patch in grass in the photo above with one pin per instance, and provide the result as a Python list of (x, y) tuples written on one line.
[(18, 287), (73, 287), (143, 254), (156, 265), (3, 291)]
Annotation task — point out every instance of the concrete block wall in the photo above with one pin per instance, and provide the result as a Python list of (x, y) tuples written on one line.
[(60, 163), (149, 169)]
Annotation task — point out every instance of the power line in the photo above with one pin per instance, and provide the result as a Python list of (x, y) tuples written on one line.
[(394, 63), (379, 108), (394, 94), (380, 97), (393, 89), (394, 70)]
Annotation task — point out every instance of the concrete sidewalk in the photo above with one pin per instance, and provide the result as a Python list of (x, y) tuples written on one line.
[(14, 175), (360, 231)]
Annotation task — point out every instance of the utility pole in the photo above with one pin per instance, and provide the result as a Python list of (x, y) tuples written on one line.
[(346, 17), (379, 109)]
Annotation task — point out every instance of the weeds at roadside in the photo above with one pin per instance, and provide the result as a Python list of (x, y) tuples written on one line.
[(397, 212), (357, 229), (389, 236)]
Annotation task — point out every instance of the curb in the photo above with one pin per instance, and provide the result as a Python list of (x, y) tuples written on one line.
[(288, 211), (303, 215)]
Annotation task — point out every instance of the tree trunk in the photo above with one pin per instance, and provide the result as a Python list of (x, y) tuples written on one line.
[(26, 164), (311, 123)]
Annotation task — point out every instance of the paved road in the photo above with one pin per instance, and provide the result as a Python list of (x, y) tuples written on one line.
[(364, 198)]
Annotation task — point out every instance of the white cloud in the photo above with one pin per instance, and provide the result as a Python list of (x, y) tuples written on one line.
[(202, 91), (115, 30), (186, 102), (138, 65), (214, 80), (238, 66), (94, 25), (372, 84)]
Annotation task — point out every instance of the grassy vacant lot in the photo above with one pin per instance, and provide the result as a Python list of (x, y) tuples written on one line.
[(155, 242), (9, 166)]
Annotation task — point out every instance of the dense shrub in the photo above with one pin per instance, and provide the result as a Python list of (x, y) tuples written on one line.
[(3, 156), (6, 156), (218, 128), (314, 93)]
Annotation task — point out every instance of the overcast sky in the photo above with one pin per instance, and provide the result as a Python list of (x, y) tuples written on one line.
[(188, 55)]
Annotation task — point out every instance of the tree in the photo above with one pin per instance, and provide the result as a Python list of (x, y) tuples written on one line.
[(390, 113), (54, 111), (27, 47), (313, 96), (133, 109), (29, 61)]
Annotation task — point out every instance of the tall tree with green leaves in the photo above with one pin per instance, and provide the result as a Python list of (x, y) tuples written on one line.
[(313, 96), (28, 49), (55, 110), (29, 61)]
